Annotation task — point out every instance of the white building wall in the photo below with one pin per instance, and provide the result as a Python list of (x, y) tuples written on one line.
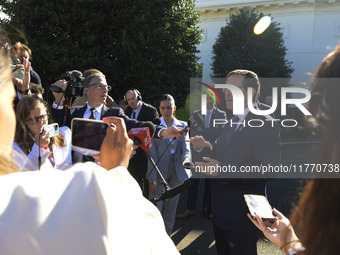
[(311, 28)]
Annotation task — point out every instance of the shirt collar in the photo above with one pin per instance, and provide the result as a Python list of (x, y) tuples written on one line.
[(175, 122), (98, 108), (138, 109)]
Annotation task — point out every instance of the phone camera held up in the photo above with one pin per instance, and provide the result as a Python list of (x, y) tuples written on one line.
[(17, 70), (74, 86)]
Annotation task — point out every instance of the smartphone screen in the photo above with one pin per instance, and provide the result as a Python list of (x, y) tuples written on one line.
[(52, 129), (88, 134), (259, 204)]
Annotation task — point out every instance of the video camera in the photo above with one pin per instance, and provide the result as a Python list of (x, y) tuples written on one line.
[(74, 86)]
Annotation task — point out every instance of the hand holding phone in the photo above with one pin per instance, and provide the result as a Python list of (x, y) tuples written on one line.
[(259, 205), (109, 137), (117, 147), (52, 129), (88, 134)]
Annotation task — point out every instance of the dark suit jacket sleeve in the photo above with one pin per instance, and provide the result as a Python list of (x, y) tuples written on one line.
[(212, 133), (128, 111), (130, 123), (35, 78)]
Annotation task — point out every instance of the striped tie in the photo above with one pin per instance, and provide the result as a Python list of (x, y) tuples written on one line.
[(92, 114)]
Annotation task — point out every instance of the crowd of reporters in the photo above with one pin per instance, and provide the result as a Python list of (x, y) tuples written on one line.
[(34, 149)]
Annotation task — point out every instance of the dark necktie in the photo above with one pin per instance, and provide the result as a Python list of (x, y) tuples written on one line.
[(92, 114), (134, 115), (90, 158), (233, 128)]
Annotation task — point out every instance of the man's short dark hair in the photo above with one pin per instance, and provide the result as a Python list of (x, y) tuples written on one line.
[(250, 80), (35, 88)]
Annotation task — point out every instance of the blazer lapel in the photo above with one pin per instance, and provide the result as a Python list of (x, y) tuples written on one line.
[(212, 117), (222, 141), (104, 110), (141, 113), (237, 133), (82, 111)]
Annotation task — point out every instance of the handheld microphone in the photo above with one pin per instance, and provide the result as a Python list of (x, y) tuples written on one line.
[(142, 137), (156, 121), (196, 120)]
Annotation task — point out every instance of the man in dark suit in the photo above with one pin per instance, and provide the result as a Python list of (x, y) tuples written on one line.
[(247, 146), (141, 111), (210, 132), (96, 89)]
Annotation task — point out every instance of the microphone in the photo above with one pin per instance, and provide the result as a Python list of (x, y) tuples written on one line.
[(196, 120), (156, 121), (142, 137), (169, 193)]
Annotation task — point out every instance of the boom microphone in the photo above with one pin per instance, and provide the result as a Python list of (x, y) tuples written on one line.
[(174, 191)]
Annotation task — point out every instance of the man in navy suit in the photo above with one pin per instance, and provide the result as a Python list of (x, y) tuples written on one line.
[(96, 89), (210, 132), (246, 146), (138, 110)]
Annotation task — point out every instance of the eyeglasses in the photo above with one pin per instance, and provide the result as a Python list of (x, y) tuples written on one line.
[(100, 86), (35, 120)]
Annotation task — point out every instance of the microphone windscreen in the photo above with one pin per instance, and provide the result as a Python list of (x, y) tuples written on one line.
[(196, 120), (177, 189), (156, 121), (151, 127)]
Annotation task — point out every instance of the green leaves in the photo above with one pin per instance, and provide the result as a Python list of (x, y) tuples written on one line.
[(238, 47), (143, 44)]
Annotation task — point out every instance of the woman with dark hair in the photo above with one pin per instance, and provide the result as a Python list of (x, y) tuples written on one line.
[(32, 141), (176, 153), (316, 217)]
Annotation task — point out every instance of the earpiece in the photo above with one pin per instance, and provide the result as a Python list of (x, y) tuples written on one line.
[(139, 95)]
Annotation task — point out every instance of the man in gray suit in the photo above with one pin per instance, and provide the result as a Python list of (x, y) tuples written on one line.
[(246, 146)]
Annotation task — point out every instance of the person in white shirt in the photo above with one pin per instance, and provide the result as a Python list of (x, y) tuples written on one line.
[(79, 211), (32, 141)]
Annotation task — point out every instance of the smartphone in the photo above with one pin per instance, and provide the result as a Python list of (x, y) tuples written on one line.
[(18, 72), (88, 134), (260, 205), (52, 129)]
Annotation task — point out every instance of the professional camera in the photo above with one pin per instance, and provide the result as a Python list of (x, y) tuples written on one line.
[(74, 86)]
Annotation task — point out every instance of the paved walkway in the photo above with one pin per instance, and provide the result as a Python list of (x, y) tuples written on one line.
[(194, 235)]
